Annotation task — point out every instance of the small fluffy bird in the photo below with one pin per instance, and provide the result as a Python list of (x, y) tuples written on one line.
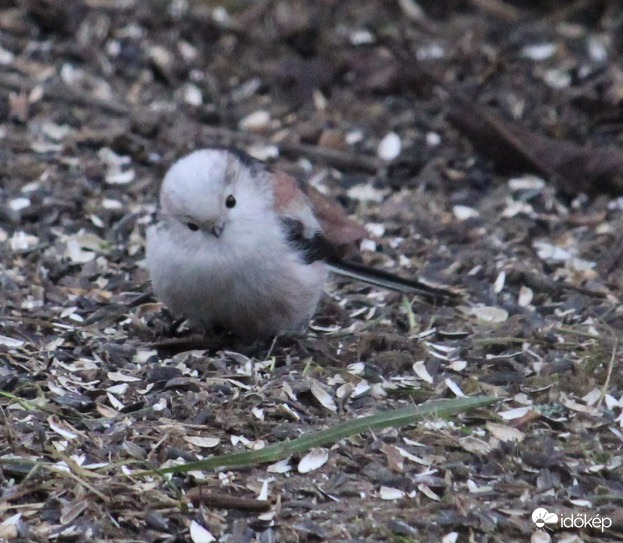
[(243, 248)]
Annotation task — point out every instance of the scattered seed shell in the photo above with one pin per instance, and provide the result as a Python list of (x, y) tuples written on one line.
[(203, 442), (505, 433), (11, 343), (389, 493), (389, 147), (314, 459), (464, 212), (420, 370), (199, 534), (257, 121), (475, 445), (324, 398), (488, 314), (525, 297), (283, 466)]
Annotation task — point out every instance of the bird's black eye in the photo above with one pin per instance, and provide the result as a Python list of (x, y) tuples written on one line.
[(192, 226), (231, 201)]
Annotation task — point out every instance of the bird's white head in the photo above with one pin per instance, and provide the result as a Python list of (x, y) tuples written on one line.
[(210, 188)]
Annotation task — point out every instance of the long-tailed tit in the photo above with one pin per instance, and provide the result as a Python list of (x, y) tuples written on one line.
[(247, 249)]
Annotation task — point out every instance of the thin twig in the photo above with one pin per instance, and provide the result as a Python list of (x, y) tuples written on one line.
[(615, 346), (63, 93), (333, 157), (499, 9), (65, 473), (338, 159), (272, 348), (568, 10), (199, 495), (604, 388)]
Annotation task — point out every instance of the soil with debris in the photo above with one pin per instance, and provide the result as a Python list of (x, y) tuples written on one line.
[(479, 141)]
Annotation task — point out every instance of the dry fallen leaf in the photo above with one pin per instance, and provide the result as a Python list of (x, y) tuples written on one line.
[(394, 458)]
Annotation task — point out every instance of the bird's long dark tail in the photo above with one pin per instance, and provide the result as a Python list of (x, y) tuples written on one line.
[(390, 281)]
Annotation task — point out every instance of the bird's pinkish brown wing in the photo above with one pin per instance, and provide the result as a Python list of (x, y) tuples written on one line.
[(337, 226), (311, 208), (320, 229)]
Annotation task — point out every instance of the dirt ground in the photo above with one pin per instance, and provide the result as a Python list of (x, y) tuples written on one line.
[(479, 141)]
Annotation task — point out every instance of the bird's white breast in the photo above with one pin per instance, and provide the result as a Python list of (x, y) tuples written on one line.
[(249, 280)]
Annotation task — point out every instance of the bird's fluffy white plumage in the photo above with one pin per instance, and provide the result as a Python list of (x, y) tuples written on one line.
[(237, 269)]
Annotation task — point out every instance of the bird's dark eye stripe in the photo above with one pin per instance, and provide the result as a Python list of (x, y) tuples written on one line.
[(192, 226), (230, 201)]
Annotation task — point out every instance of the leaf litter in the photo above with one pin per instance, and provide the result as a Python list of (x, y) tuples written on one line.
[(519, 211)]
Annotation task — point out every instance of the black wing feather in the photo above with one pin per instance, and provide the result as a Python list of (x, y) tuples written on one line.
[(312, 249), (318, 247)]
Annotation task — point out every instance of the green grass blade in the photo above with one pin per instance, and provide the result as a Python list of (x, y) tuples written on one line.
[(385, 419)]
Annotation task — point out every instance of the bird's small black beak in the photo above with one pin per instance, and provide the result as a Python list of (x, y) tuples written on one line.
[(216, 230)]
